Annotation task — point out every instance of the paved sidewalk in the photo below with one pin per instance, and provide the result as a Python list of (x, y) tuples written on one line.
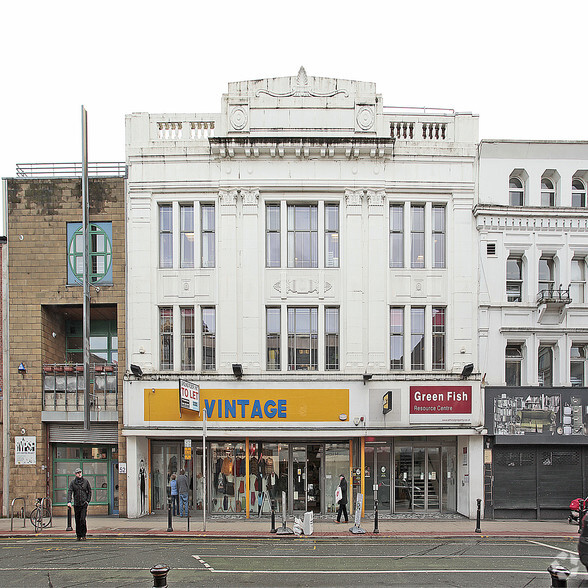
[(156, 525)]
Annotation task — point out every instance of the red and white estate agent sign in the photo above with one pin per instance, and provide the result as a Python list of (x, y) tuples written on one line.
[(440, 404), (189, 395)]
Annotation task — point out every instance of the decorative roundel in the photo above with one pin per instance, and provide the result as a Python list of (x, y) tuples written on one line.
[(238, 118), (365, 118)]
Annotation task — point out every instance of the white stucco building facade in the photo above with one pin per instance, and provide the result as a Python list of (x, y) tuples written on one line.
[(300, 256), (532, 223)]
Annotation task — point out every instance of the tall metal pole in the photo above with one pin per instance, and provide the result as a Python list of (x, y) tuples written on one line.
[(204, 466), (86, 276)]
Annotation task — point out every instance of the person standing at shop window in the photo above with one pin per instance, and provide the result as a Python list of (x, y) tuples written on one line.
[(81, 492), (174, 495), (343, 500), (183, 490)]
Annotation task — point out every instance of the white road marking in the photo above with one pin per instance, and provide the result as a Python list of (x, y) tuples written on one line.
[(200, 560), (553, 547)]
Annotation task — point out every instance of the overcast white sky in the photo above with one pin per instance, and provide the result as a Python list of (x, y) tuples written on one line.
[(520, 65)]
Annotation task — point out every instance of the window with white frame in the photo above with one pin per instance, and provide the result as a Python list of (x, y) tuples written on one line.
[(273, 326), (546, 275), (417, 338), (578, 281), (516, 192), (208, 338), (186, 235), (513, 362), (165, 236), (272, 235), (331, 338), (417, 236), (578, 365), (514, 278), (302, 235), (396, 235), (166, 338), (547, 192), (438, 236), (396, 338), (302, 338), (331, 235), (578, 193), (545, 365), (438, 340), (207, 235), (188, 349)]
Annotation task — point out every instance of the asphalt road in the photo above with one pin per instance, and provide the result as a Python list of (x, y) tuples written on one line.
[(483, 562)]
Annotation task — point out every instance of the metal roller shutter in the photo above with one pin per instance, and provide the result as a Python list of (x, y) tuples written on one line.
[(75, 433)]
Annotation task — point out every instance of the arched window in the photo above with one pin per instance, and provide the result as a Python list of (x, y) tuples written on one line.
[(578, 193), (547, 192), (516, 192)]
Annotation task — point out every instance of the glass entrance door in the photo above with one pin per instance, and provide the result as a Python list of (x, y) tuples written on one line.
[(313, 467), (299, 478), (165, 461), (377, 475)]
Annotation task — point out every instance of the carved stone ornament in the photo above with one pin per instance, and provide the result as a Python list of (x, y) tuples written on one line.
[(353, 197), (365, 117), (228, 197), (376, 197), (238, 117), (250, 196), (302, 88), (301, 286)]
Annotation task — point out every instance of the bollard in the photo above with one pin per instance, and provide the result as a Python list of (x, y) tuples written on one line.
[(581, 513), (169, 516), (159, 575), (477, 529), (273, 529), (376, 528), (559, 575), (69, 527)]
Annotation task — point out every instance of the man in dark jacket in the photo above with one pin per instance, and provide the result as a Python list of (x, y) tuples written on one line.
[(81, 492), (343, 502)]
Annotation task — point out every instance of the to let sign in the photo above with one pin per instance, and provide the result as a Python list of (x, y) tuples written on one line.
[(440, 404), (189, 395)]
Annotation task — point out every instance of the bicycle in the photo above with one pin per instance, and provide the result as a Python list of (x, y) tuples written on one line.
[(40, 515)]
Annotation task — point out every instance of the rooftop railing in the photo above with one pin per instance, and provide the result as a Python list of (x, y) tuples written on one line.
[(71, 170)]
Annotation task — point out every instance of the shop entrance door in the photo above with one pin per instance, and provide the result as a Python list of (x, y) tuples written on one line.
[(377, 475), (306, 481), (166, 460)]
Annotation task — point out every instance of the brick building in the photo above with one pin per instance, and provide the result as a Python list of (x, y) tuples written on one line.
[(44, 370)]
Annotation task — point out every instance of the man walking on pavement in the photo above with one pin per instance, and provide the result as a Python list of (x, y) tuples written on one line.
[(183, 489), (343, 501), (81, 491)]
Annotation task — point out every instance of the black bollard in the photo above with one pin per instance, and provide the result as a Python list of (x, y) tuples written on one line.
[(69, 527), (477, 529), (159, 575), (581, 513), (559, 575), (169, 516), (273, 529), (376, 528)]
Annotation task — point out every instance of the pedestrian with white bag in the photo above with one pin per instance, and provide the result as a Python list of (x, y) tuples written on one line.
[(341, 499)]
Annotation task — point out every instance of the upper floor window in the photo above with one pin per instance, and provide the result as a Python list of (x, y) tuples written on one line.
[(208, 235), (438, 338), (578, 282), (545, 365), (331, 235), (417, 236), (302, 235), (272, 235), (166, 338), (438, 236), (165, 236), (396, 235), (187, 235), (516, 192), (578, 365), (331, 338), (514, 279), (302, 338), (513, 364), (208, 338), (547, 192), (273, 326), (578, 193), (546, 274), (100, 236), (417, 338), (396, 338), (188, 358)]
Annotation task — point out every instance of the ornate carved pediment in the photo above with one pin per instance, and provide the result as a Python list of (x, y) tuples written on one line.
[(302, 88)]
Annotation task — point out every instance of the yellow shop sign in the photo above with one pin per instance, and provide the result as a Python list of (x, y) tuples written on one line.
[(257, 405)]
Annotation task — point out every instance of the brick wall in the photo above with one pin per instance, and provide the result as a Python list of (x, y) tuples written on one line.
[(38, 213)]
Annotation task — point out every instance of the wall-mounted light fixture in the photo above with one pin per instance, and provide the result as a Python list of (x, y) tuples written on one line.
[(366, 378), (238, 370), (467, 370), (137, 371)]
